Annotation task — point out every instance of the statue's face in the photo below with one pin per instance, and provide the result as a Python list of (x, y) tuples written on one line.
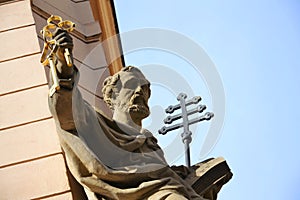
[(133, 95)]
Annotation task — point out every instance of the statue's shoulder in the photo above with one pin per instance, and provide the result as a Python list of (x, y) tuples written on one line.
[(147, 133), (103, 117)]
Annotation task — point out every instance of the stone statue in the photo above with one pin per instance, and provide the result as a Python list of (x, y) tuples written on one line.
[(116, 158)]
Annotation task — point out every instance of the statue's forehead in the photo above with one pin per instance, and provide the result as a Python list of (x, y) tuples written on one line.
[(135, 75)]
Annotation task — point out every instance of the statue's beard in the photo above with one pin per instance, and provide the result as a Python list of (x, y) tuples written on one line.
[(141, 110), (138, 107)]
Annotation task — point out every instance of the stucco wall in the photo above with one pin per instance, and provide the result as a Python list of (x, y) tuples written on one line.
[(32, 165), (31, 162)]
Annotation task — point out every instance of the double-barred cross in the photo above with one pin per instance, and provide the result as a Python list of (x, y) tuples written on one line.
[(187, 134)]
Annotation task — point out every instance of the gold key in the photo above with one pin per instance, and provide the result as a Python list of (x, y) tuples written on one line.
[(47, 58)]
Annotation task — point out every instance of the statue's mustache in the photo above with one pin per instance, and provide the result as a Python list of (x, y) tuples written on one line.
[(140, 100)]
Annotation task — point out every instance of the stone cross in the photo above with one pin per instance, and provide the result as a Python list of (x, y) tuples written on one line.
[(187, 134)]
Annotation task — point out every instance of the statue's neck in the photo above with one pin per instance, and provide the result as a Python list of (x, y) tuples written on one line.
[(123, 117)]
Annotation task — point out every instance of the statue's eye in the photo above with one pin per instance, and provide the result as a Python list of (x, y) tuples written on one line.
[(130, 84), (118, 85), (146, 89)]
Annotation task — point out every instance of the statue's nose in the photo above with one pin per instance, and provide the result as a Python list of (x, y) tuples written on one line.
[(139, 90)]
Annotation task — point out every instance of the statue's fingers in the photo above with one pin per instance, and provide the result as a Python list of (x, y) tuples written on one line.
[(65, 42), (58, 31), (66, 45), (63, 35), (61, 40)]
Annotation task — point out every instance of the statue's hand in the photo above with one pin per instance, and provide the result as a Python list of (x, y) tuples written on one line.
[(64, 41)]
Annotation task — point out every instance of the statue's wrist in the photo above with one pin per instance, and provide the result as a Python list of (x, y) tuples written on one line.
[(65, 75), (63, 70)]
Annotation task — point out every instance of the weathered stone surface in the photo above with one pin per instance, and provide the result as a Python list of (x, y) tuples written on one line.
[(209, 177)]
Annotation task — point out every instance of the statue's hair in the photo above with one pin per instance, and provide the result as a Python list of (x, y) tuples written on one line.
[(110, 85)]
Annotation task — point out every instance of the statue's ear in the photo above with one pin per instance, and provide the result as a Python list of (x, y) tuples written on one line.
[(114, 95), (107, 80), (110, 90), (114, 79)]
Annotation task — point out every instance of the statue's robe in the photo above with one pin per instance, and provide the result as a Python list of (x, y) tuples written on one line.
[(110, 161)]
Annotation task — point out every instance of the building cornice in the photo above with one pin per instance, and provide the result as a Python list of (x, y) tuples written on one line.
[(104, 12)]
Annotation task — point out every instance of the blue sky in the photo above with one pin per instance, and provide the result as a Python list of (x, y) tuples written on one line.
[(255, 47)]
